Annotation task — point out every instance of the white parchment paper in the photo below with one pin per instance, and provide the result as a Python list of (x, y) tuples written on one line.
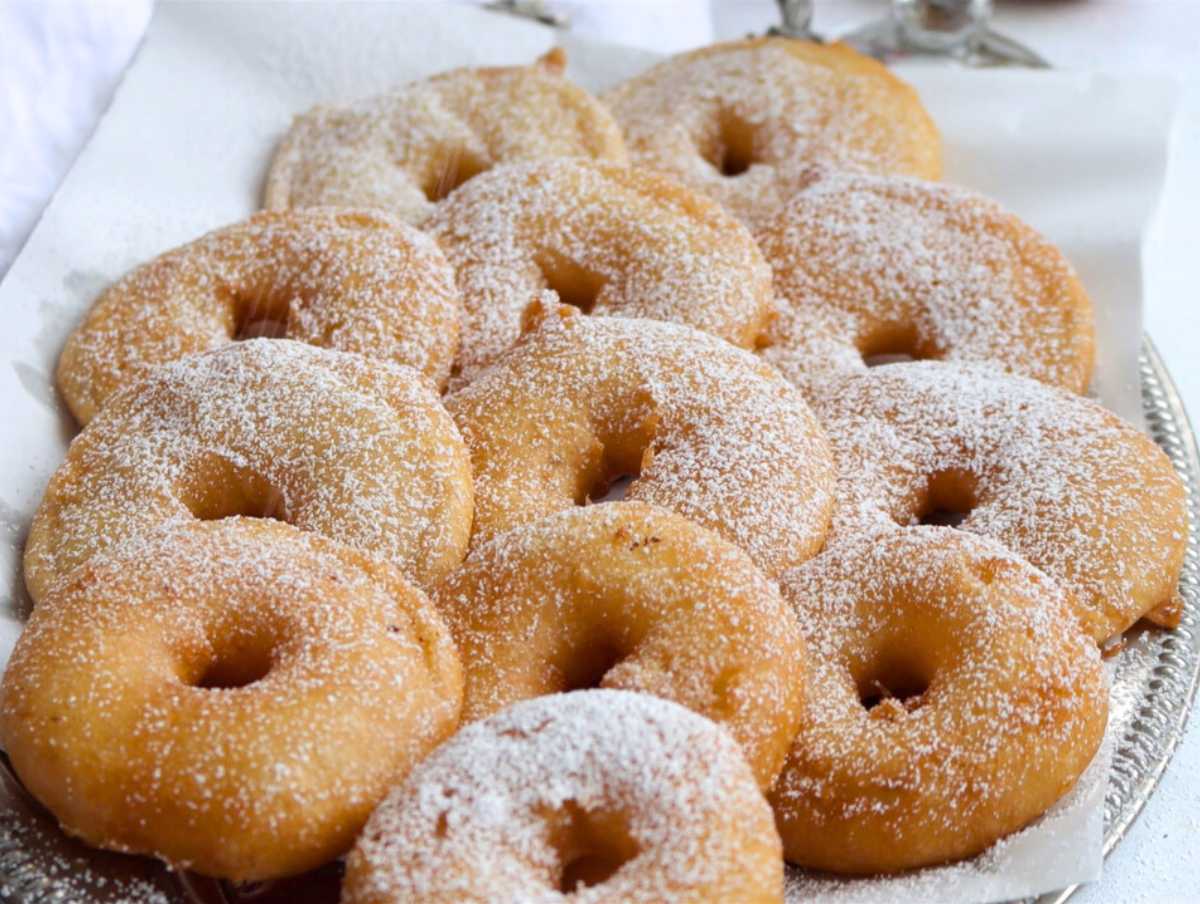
[(184, 146)]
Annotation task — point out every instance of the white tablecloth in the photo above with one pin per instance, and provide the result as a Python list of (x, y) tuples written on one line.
[(59, 63)]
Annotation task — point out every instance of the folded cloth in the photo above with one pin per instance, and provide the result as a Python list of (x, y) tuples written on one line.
[(60, 61)]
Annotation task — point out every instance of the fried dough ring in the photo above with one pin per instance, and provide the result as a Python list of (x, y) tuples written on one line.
[(640, 799), (627, 595), (233, 696), (360, 451), (352, 280), (710, 431)]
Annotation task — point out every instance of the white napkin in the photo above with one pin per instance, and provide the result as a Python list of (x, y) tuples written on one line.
[(59, 63)]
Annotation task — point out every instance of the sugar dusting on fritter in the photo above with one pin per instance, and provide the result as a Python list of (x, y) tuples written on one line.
[(403, 150), (351, 280), (734, 446), (779, 113), (1011, 712), (359, 450), (948, 271), (640, 580), (640, 245), (478, 807), (1024, 862), (360, 679), (1056, 478)]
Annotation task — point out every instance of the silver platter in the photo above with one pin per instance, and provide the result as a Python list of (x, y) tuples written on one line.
[(1156, 679), (1157, 671)]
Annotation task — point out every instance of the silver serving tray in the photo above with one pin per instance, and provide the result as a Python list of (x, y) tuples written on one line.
[(1155, 683), (1158, 671)]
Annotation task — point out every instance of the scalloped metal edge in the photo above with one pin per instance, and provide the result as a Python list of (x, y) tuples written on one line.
[(1154, 731), (1161, 718)]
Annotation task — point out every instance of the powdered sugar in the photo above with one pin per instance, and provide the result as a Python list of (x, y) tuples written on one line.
[(611, 240), (237, 694), (361, 282), (39, 859), (1054, 477), (1007, 709), (715, 435), (631, 596), (404, 150), (866, 265), (474, 822), (360, 451), (772, 107)]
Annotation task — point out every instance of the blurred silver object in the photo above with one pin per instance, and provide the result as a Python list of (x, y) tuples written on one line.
[(958, 29), (941, 26), (530, 9), (795, 20)]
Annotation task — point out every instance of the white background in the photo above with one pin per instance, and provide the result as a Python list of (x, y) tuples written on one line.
[(60, 60)]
